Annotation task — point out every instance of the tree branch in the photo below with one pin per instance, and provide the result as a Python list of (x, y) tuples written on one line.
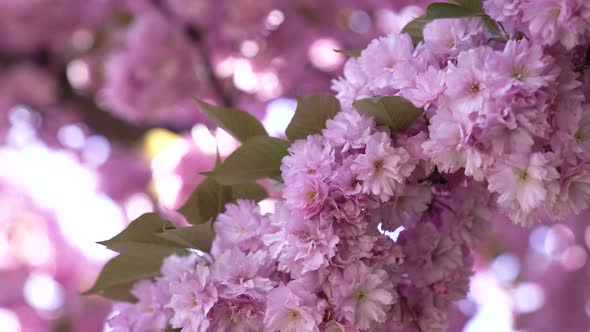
[(195, 34)]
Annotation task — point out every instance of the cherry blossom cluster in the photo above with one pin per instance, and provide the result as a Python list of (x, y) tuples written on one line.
[(375, 228), (326, 259), (511, 114)]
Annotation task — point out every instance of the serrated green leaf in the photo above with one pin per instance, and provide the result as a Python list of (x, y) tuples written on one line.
[(139, 238), (393, 111), (121, 272), (450, 10), (258, 158), (311, 115), (351, 53), (195, 236), (240, 124)]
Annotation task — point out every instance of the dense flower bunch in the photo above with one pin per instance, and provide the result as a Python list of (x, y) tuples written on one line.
[(511, 114), (376, 225), (320, 261)]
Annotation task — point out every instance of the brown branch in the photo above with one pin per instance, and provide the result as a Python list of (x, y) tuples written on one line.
[(97, 119), (195, 34)]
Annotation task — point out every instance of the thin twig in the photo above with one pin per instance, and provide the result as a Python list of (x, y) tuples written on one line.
[(407, 307)]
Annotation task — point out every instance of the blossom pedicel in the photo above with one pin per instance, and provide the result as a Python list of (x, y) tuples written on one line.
[(379, 214)]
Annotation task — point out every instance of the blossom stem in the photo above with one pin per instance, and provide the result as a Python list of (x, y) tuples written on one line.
[(406, 306)]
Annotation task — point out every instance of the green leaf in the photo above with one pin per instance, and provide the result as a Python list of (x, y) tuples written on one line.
[(121, 272), (471, 4), (259, 157), (351, 53), (206, 202), (240, 124), (210, 198), (140, 239), (392, 111), (195, 236), (492, 27), (252, 191), (453, 9), (311, 115), (415, 27), (450, 10)]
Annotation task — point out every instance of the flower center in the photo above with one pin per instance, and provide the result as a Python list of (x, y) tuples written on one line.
[(519, 74), (474, 87), (294, 315), (379, 165), (195, 301), (361, 296), (451, 43), (312, 194), (523, 176), (555, 12), (579, 136)]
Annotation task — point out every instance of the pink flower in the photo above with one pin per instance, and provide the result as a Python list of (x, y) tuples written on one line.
[(192, 300), (235, 316), (311, 156), (348, 130), (243, 276), (445, 144), (240, 225), (177, 268), (407, 206), (574, 196), (429, 86), (556, 21), (305, 194), (467, 82), (291, 308), (521, 67), (382, 168), (430, 255), (449, 37), (506, 11), (309, 247), (379, 59), (354, 85), (524, 182), (362, 295), (148, 313)]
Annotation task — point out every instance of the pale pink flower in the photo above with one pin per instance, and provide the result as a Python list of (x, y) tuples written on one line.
[(291, 308), (192, 300), (362, 295), (382, 168), (524, 182), (379, 59)]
